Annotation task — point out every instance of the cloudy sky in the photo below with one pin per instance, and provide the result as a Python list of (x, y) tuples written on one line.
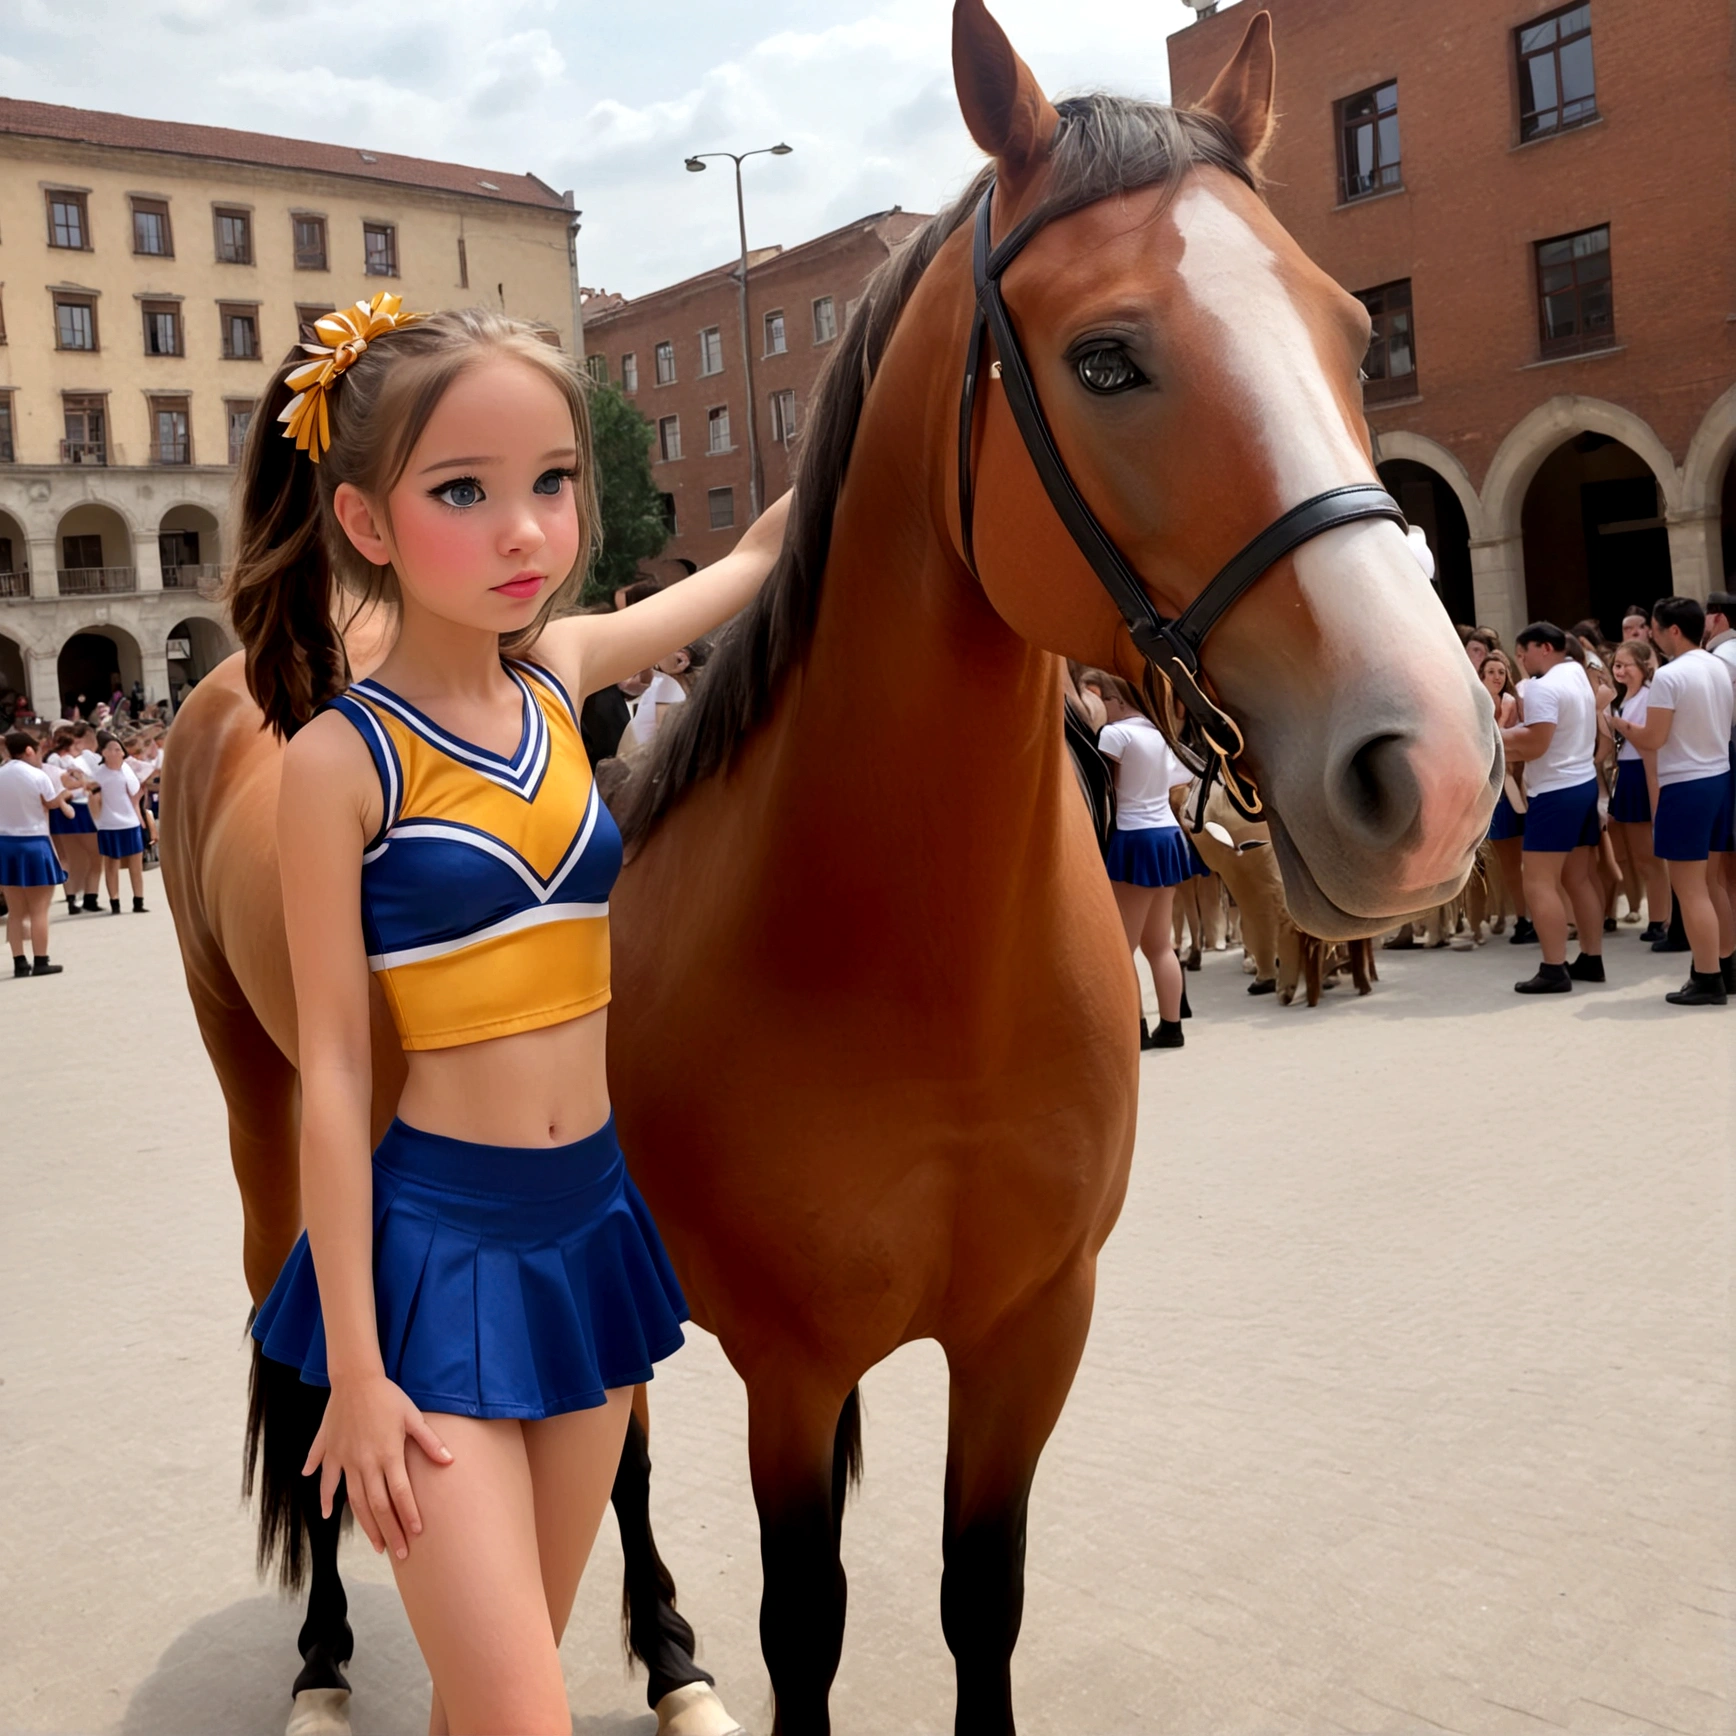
[(606, 99)]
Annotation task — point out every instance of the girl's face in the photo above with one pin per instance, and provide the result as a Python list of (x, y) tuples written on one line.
[(482, 525), (114, 756), (1494, 675), (1477, 651), (1625, 670)]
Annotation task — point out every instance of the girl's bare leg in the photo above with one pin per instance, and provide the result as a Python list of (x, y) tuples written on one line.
[(136, 874), (573, 1460), (1160, 955), (111, 874)]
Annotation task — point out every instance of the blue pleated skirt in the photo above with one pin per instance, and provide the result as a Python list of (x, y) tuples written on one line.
[(29, 861), (1632, 801), (508, 1281), (1506, 821), (1153, 856), (120, 842), (80, 821)]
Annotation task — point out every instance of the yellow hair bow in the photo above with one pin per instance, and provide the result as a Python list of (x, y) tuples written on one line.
[(346, 335)]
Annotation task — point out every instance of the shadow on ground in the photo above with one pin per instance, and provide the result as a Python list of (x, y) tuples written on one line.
[(229, 1675)]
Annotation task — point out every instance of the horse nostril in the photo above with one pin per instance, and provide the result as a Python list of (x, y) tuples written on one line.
[(1377, 794)]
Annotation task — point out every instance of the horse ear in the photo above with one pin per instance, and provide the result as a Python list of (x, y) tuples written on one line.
[(1241, 96), (1003, 104)]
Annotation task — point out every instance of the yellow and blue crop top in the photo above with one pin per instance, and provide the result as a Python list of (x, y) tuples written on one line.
[(485, 893)]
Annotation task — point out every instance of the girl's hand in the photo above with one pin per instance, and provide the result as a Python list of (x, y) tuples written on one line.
[(362, 1440)]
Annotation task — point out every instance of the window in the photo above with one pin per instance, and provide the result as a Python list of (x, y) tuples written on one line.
[(825, 320), (151, 228), (629, 373), (162, 328), (1389, 370), (234, 236), (68, 221), (669, 437), (86, 439), (463, 264), (240, 331), (177, 549), (380, 249), (7, 454), (784, 416), (1368, 142), (597, 366), (721, 502), (307, 315), (668, 501), (1557, 85), (711, 351), (240, 415), (717, 429), (74, 322), (169, 442), (1575, 308), (309, 235), (81, 553), (775, 344), (665, 364)]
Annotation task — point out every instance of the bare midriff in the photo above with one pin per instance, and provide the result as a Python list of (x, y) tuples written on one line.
[(534, 1088)]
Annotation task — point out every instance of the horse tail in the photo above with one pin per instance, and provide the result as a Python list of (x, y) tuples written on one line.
[(283, 1416), (847, 1460)]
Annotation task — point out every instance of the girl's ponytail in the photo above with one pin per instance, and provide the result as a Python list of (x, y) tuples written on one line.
[(280, 590)]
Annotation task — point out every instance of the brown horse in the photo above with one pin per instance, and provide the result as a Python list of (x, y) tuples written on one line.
[(874, 1039), (874, 1033)]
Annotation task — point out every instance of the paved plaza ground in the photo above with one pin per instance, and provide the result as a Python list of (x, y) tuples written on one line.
[(1407, 1407)]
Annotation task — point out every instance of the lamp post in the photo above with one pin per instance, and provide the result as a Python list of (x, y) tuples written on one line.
[(696, 166)]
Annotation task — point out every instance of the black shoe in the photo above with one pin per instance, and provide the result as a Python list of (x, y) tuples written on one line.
[(1587, 968), (1654, 932), (20, 965), (138, 907), (1144, 1034), (1727, 970), (1523, 933), (43, 968), (1263, 986), (1169, 1035), (1704, 988), (1551, 979), (114, 907), (90, 902), (72, 907), (1403, 941), (1668, 943), (1186, 1010), (1609, 925)]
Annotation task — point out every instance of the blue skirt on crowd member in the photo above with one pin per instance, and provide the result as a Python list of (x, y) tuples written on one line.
[(1153, 856), (29, 861), (1562, 820), (1632, 802), (1694, 819), (120, 842), (80, 821), (509, 1281), (1506, 821)]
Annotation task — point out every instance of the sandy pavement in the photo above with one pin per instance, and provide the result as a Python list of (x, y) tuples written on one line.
[(1407, 1405)]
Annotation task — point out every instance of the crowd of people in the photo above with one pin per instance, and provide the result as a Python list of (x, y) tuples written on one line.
[(78, 804)]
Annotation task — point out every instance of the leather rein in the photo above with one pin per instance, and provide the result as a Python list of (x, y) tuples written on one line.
[(1206, 737)]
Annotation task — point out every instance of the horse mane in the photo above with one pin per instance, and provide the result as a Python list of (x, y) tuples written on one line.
[(1104, 145)]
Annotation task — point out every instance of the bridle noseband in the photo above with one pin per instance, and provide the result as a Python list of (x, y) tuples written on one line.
[(1205, 735)]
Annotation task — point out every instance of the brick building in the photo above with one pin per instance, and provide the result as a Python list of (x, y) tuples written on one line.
[(677, 353), (1534, 203)]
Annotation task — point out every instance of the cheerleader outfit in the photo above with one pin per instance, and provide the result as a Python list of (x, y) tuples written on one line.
[(58, 823), (1148, 847), (118, 832), (508, 1281), (1632, 801), (26, 856)]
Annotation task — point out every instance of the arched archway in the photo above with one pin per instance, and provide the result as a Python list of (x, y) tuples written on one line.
[(1709, 481), (14, 558), (95, 550), (1595, 537), (187, 542), (192, 650), (90, 660), (1432, 504), (14, 679)]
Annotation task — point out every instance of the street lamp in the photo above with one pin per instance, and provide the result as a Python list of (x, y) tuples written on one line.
[(696, 166)]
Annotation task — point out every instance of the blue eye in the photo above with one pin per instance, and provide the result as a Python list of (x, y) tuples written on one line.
[(550, 481), (466, 491)]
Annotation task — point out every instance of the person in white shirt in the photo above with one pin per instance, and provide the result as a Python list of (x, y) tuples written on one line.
[(1556, 742), (1687, 725), (1149, 854), (119, 835), (29, 868), (1633, 663), (666, 689), (1720, 640), (74, 829)]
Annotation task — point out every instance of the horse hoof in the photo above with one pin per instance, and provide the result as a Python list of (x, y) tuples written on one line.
[(320, 1712), (694, 1711)]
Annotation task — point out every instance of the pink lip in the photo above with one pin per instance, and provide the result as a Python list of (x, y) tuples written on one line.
[(525, 585)]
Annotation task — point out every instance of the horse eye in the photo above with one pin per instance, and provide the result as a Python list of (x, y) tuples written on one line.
[(1108, 370)]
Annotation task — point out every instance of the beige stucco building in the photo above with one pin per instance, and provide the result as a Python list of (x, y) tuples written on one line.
[(151, 276)]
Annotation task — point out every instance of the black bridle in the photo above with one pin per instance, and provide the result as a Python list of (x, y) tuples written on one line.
[(1205, 735)]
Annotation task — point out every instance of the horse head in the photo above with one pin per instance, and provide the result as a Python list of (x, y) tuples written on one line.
[(1200, 378)]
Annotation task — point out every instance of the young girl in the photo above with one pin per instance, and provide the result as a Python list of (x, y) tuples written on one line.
[(1149, 855), (120, 835), (1630, 807), (72, 828), (1507, 823), (29, 869), (483, 1295)]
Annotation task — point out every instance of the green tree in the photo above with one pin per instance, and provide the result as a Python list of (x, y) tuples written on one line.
[(634, 526)]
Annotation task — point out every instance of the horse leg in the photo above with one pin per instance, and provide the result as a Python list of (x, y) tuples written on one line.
[(652, 1630), (1007, 1392), (802, 1445)]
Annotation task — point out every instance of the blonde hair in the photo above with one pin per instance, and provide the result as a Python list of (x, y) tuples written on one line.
[(1638, 653), (292, 556)]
